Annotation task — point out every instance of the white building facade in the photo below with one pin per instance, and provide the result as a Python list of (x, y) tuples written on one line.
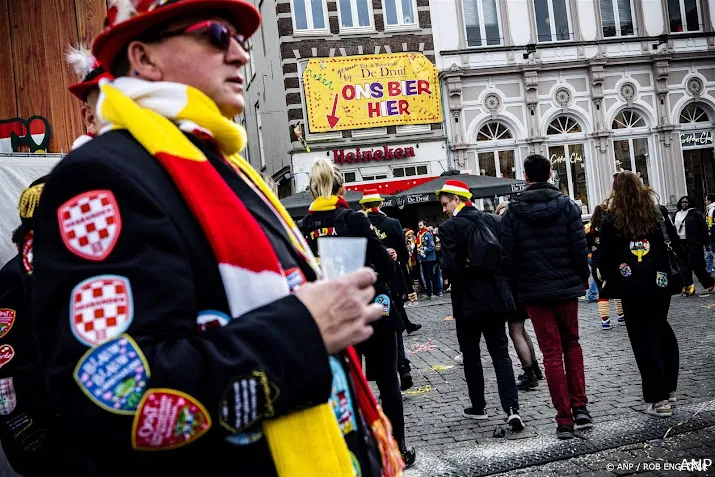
[(597, 86)]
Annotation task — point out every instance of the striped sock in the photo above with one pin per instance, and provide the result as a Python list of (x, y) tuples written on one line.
[(603, 309), (619, 307)]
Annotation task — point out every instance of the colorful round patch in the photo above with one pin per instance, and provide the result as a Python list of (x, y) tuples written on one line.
[(208, 319), (7, 352), (625, 270), (661, 279), (7, 319), (90, 224), (114, 375), (340, 399), (8, 398), (101, 308), (27, 252), (384, 300), (168, 419), (640, 248)]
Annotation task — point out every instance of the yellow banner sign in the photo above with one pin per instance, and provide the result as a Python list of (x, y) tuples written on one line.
[(355, 92)]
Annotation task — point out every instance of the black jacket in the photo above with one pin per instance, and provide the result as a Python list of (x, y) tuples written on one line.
[(696, 228), (27, 420), (639, 278), (544, 246), (351, 223), (166, 258), (474, 292), (389, 231)]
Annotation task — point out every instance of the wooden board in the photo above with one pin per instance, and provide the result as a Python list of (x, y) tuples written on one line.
[(8, 99), (90, 16)]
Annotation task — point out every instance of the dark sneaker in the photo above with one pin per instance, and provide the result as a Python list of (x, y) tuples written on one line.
[(564, 432), (409, 455), (582, 418), (514, 420), (417, 327), (537, 371), (405, 381), (528, 381), (480, 415)]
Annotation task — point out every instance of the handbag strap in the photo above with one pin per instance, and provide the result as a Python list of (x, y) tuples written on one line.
[(664, 230)]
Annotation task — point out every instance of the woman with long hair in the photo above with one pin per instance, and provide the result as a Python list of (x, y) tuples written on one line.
[(693, 233), (523, 344), (330, 215), (593, 237), (634, 263)]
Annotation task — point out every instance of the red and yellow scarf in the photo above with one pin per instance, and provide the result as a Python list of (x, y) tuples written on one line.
[(324, 204), (307, 442)]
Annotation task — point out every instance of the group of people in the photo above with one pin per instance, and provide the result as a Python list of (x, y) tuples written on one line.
[(134, 329)]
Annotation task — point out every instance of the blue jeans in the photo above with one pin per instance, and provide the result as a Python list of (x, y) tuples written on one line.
[(592, 294), (709, 260), (438, 277)]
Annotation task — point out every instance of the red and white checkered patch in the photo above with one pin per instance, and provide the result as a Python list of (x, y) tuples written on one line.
[(102, 309), (90, 224)]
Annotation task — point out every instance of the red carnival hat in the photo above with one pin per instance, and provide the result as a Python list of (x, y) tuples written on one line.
[(128, 19), (371, 195), (455, 187), (88, 70)]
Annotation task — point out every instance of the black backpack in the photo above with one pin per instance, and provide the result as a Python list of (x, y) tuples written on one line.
[(483, 246)]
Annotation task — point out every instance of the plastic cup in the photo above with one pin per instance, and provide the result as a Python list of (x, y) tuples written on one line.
[(341, 255)]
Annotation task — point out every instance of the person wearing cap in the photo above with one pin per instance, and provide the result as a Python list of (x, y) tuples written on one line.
[(329, 215), (389, 231), (481, 303), (27, 421), (169, 344), (545, 253), (86, 90), (427, 258)]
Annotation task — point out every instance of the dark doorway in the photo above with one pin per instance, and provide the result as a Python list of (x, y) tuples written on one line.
[(699, 174)]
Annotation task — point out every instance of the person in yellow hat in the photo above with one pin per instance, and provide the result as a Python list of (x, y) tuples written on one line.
[(169, 343)]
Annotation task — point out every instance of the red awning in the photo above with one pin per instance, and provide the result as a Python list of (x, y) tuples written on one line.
[(389, 187)]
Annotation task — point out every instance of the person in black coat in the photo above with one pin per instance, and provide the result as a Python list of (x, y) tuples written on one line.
[(545, 255), (693, 235), (593, 238), (118, 249), (330, 215), (634, 265), (389, 231), (481, 303)]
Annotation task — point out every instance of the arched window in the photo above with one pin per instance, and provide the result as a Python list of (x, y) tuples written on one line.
[(563, 125), (493, 131), (627, 119), (692, 113), (631, 152)]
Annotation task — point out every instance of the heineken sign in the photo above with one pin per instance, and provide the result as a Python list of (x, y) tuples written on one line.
[(696, 138), (384, 153)]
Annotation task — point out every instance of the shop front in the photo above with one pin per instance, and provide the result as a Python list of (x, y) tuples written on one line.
[(696, 142)]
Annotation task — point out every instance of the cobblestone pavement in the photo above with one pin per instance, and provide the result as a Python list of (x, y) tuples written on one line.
[(450, 445)]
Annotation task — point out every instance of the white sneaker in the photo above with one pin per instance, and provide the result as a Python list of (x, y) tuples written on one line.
[(660, 409), (606, 325), (459, 359)]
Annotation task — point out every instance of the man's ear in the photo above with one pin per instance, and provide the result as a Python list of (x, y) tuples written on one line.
[(144, 61)]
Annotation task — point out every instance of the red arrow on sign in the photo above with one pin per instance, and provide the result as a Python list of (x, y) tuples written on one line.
[(332, 118)]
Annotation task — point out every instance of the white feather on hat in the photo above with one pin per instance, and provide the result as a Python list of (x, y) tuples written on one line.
[(125, 10), (81, 60)]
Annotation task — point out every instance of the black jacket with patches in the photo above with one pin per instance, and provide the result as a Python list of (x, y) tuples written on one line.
[(544, 247), (474, 292), (26, 416), (389, 231), (166, 257)]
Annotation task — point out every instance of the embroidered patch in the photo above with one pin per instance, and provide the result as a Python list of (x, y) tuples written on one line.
[(35, 441), (252, 435), (101, 309), (661, 279), (27, 252), (625, 270), (384, 300), (114, 375), (8, 398), (7, 352), (7, 319), (340, 399), (295, 278), (208, 319), (242, 404), (597, 240), (90, 224), (640, 248), (19, 424), (168, 419)]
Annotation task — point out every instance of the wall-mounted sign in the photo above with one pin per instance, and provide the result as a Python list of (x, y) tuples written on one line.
[(355, 92), (573, 158), (696, 138), (33, 133), (384, 153)]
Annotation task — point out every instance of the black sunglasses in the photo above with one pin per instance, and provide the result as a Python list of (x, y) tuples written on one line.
[(218, 34)]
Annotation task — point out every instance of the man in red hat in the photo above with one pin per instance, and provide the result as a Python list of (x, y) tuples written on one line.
[(481, 298), (168, 344), (90, 73)]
